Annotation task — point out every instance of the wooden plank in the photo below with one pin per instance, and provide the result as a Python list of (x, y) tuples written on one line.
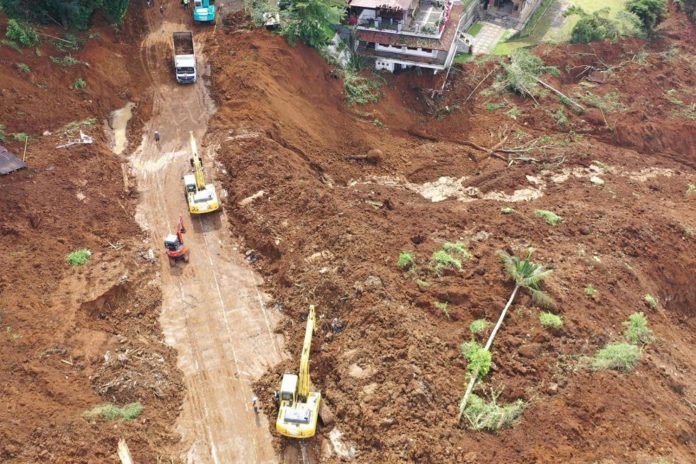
[(124, 452)]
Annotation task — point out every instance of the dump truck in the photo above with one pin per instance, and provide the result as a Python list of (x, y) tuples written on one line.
[(184, 58)]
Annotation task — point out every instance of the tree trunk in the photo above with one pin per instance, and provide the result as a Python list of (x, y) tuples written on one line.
[(472, 382)]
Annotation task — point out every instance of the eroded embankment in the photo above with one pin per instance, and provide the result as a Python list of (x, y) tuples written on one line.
[(303, 194)]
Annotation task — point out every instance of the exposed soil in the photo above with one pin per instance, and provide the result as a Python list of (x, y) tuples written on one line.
[(328, 199), (74, 338)]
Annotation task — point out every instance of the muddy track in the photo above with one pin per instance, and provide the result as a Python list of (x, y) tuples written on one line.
[(213, 313)]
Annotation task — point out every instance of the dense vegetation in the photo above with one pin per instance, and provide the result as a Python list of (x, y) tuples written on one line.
[(71, 14)]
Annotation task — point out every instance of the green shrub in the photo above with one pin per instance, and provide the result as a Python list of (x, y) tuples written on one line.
[(442, 306), (550, 320), (21, 33), (479, 359), (649, 12), (441, 260), (65, 61), (592, 27), (23, 68), (549, 216), (359, 89), (406, 261), (617, 356), (2, 132), (479, 325), (651, 300), (21, 137), (79, 84), (457, 248), (521, 73), (637, 330), (491, 416), (78, 257), (110, 411), (591, 291), (311, 21)]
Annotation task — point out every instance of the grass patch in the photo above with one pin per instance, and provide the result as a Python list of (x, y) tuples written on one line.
[(78, 125), (491, 106), (479, 325), (550, 217), (67, 60), (406, 261), (491, 416), (442, 260), (637, 330), (442, 306), (651, 300), (23, 68), (550, 320), (457, 248), (2, 132), (461, 58), (617, 356), (78, 257), (475, 29), (479, 359), (110, 411), (361, 90), (591, 291)]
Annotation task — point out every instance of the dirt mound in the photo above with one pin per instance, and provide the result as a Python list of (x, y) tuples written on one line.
[(76, 337), (328, 228)]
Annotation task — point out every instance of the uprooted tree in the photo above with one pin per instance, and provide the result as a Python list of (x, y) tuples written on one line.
[(526, 275)]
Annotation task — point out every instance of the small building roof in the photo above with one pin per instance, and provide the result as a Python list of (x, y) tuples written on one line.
[(9, 162), (374, 4)]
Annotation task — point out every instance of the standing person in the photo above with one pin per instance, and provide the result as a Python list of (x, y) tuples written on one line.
[(157, 137), (162, 10), (253, 404)]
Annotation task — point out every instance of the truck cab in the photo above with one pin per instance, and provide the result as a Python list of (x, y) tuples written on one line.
[(185, 69), (203, 11)]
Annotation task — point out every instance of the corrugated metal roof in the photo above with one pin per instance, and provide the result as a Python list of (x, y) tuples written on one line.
[(374, 4), (9, 162)]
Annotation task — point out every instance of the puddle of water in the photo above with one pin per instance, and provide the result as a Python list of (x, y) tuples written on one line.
[(119, 123)]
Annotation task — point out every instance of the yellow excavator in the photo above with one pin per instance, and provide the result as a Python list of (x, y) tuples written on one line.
[(298, 412), (201, 197)]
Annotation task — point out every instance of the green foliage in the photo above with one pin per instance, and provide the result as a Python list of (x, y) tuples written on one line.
[(521, 73), (71, 14), (23, 68), (2, 132), (479, 325), (360, 90), (78, 257), (475, 29), (77, 125), (649, 12), (560, 117), (12, 45), (592, 27), (110, 411), (491, 416), (79, 84), (311, 21), (528, 275), (442, 306), (495, 106), (591, 291), (637, 330), (441, 260), (617, 356), (407, 260), (457, 248), (549, 216), (21, 33), (651, 300), (479, 359), (550, 320), (21, 137), (65, 61)]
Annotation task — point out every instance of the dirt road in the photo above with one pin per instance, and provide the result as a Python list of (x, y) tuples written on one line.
[(213, 312)]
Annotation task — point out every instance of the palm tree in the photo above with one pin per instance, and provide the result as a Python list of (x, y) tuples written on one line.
[(526, 275)]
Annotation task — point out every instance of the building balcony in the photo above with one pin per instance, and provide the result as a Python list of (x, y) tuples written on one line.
[(427, 20)]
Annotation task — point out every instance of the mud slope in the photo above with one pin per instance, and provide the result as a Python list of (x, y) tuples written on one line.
[(328, 224), (73, 338)]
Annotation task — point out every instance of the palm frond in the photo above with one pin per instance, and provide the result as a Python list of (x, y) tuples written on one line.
[(534, 277), (541, 298)]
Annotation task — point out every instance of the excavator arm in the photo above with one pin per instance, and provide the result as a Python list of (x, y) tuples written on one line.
[(304, 380), (197, 165)]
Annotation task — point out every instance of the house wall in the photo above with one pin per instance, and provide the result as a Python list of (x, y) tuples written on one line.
[(405, 50)]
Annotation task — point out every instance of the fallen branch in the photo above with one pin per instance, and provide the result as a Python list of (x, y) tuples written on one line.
[(558, 92), (478, 85)]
